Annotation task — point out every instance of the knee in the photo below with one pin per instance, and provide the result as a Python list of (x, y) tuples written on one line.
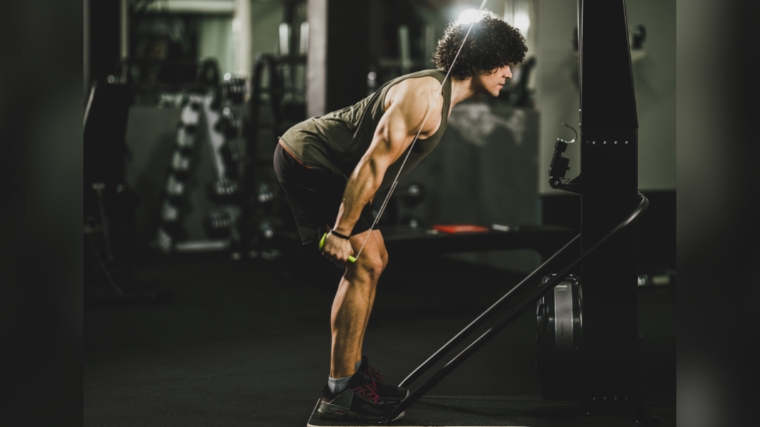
[(371, 266)]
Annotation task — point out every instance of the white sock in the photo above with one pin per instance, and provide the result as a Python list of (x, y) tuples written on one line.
[(337, 385)]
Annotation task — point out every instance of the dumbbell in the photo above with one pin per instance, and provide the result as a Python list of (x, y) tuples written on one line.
[(265, 193), (185, 137), (164, 240), (267, 229), (218, 224), (233, 88), (175, 188), (180, 165), (190, 113), (228, 124), (411, 221), (231, 158), (170, 220), (411, 194), (224, 189)]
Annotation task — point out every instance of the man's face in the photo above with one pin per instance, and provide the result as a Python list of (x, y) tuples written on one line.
[(494, 82)]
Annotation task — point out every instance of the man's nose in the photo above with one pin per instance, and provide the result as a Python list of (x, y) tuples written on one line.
[(507, 73)]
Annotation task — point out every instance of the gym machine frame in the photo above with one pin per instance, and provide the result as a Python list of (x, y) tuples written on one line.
[(610, 204)]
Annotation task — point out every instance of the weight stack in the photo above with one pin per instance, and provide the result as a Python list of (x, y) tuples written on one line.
[(559, 334)]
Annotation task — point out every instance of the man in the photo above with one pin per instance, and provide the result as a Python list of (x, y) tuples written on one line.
[(330, 168)]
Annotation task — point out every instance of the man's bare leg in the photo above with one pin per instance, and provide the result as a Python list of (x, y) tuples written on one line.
[(353, 303), (379, 238)]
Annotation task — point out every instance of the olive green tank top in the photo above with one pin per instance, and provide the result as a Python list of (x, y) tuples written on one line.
[(338, 140)]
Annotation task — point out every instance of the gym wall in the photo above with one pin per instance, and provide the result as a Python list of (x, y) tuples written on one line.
[(557, 96), (215, 41), (265, 19)]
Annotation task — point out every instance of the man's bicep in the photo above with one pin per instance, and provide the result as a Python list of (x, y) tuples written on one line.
[(400, 124)]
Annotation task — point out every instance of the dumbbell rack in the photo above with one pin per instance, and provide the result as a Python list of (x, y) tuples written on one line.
[(203, 116)]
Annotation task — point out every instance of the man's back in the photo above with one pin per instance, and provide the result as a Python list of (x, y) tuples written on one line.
[(338, 140)]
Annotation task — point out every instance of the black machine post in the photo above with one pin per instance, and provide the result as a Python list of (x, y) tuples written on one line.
[(610, 202), (609, 145)]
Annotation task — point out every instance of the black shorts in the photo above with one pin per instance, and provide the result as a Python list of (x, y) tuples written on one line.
[(315, 196)]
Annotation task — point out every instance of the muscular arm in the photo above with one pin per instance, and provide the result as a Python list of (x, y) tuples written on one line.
[(395, 132), (405, 109)]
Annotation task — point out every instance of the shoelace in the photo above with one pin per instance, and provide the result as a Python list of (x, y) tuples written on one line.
[(374, 375), (368, 391)]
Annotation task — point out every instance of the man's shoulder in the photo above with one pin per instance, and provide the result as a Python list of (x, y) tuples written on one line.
[(420, 82), (417, 89)]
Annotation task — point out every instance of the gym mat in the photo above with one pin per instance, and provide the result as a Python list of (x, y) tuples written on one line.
[(507, 411)]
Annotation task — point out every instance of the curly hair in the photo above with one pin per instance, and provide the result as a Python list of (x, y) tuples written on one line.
[(491, 44)]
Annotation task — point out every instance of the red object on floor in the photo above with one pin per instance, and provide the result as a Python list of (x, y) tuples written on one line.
[(464, 228)]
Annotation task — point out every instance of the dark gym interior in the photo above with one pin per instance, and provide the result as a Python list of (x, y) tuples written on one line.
[(201, 306), (581, 249)]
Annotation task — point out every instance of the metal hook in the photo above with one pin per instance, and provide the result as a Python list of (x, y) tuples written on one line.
[(576, 134)]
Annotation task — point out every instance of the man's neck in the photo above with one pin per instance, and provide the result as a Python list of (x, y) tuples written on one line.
[(461, 90)]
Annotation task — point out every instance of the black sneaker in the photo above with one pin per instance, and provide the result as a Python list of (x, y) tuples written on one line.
[(389, 393), (360, 403)]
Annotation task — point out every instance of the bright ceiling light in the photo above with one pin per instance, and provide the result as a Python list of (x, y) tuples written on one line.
[(469, 16)]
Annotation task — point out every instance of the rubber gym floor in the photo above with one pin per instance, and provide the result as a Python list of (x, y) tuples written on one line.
[(248, 344)]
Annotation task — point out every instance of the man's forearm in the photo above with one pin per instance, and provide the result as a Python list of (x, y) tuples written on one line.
[(360, 189)]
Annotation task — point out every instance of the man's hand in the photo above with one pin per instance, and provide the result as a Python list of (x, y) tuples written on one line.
[(337, 250)]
